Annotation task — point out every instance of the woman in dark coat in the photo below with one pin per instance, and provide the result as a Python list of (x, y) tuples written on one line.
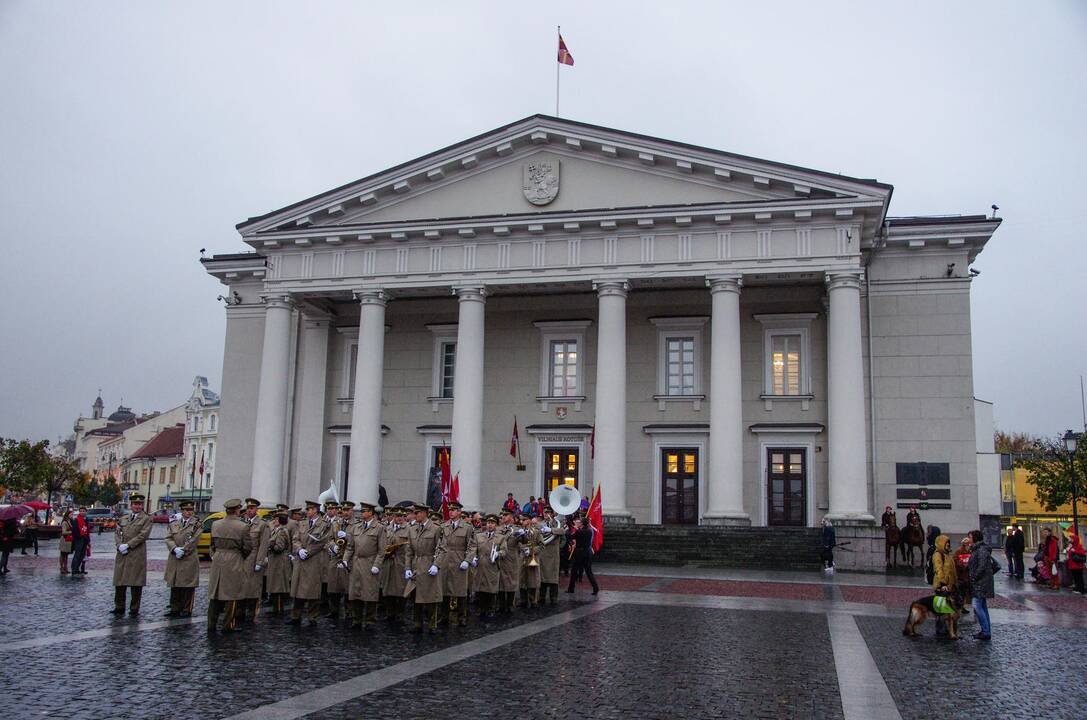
[(980, 567), (7, 540)]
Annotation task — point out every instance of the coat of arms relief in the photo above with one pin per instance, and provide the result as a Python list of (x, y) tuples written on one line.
[(541, 181)]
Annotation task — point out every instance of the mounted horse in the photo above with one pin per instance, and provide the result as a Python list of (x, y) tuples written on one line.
[(892, 539), (913, 536)]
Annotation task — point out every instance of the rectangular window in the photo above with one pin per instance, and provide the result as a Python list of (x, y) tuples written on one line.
[(211, 451), (173, 474), (563, 368), (162, 476), (353, 359), (449, 359), (785, 364), (680, 370)]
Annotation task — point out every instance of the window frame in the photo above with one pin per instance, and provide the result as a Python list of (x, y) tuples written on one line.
[(671, 328), (444, 334), (561, 331), (786, 324)]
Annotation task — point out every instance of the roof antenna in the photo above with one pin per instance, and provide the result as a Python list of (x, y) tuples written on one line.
[(995, 208)]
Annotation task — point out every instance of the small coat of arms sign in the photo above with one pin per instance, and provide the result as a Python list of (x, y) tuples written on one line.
[(561, 412), (541, 181)]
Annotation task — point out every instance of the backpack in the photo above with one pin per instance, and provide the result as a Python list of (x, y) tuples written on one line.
[(930, 570)]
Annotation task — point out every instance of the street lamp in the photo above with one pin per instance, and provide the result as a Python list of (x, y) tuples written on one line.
[(1071, 441), (150, 479)]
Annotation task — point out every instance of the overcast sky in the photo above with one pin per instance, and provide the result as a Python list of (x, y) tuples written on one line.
[(133, 134)]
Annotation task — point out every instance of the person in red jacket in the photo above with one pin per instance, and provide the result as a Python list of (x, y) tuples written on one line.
[(1050, 554), (1075, 562)]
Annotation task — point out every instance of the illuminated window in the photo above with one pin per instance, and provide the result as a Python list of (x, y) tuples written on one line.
[(561, 360), (564, 368), (679, 359), (785, 364), (787, 357)]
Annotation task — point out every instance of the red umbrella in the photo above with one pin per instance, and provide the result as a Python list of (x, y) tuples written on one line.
[(38, 505), (13, 512)]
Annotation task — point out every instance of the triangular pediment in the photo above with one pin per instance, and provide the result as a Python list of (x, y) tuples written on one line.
[(592, 169)]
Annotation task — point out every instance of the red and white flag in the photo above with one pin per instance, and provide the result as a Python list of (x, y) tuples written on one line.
[(201, 466), (595, 516), (454, 489), (446, 482), (565, 58), (514, 440)]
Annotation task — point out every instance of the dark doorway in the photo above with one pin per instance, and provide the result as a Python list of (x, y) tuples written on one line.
[(786, 472), (561, 467), (679, 486)]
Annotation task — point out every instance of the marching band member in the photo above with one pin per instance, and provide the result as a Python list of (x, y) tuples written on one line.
[(231, 548), (550, 549), (393, 583), (364, 559), (310, 552), (256, 562), (510, 563), (459, 541), (130, 566), (423, 558), (183, 562), (490, 548), (530, 574), (278, 572), (335, 576)]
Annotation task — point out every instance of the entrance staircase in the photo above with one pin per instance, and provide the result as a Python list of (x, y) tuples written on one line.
[(755, 548)]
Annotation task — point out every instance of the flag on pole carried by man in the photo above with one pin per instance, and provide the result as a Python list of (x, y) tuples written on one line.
[(595, 516), (446, 481)]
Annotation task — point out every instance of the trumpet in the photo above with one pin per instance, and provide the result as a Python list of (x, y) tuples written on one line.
[(391, 548)]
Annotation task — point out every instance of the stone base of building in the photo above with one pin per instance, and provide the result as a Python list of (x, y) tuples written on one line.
[(618, 520), (864, 551), (727, 520)]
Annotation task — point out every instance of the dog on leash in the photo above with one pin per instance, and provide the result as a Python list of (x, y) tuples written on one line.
[(949, 607)]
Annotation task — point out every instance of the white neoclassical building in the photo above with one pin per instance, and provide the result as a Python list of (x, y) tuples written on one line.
[(710, 338)]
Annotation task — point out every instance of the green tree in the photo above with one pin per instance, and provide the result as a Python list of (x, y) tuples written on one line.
[(84, 489), (109, 493), (1051, 472), (24, 466), (1013, 442)]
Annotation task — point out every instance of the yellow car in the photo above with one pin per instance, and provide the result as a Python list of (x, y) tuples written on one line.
[(203, 544)]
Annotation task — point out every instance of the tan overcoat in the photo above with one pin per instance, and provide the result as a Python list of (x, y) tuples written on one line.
[(336, 577), (530, 575), (487, 572), (258, 532), (425, 549), (365, 550), (459, 541), (130, 570), (184, 534), (307, 576), (279, 564), (509, 565), (392, 573), (548, 554), (231, 548)]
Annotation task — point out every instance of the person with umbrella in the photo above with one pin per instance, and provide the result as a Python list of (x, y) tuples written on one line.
[(9, 531)]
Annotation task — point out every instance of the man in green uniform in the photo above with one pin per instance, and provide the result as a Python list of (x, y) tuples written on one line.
[(231, 549), (459, 541), (424, 557), (256, 563), (183, 562), (310, 556), (365, 559), (130, 565)]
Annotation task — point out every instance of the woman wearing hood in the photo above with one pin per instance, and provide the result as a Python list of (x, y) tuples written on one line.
[(945, 576), (1075, 562)]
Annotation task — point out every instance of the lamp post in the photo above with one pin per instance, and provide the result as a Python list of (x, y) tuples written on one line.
[(1071, 441), (150, 479)]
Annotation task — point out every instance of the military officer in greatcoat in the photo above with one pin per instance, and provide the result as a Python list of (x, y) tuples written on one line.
[(509, 565), (459, 542), (364, 559), (550, 528), (424, 558), (490, 548), (130, 565), (231, 550), (277, 575), (347, 514), (183, 562), (310, 559), (257, 562), (397, 537), (530, 571), (335, 577)]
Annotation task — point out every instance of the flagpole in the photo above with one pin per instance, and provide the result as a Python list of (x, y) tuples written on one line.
[(558, 65)]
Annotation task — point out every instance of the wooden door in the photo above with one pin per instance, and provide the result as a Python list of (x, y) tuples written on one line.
[(679, 486), (786, 476), (561, 467)]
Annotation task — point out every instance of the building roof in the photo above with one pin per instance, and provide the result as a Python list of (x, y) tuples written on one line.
[(169, 442)]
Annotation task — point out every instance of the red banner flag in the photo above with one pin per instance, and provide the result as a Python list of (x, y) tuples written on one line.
[(447, 483), (595, 516), (454, 489), (514, 440), (565, 58)]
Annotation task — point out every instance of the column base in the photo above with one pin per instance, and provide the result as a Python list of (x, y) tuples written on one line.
[(618, 517), (858, 519), (730, 519)]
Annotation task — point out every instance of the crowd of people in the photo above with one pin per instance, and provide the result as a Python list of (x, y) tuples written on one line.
[(324, 559), (1046, 571)]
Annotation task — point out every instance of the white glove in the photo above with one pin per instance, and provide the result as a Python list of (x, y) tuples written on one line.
[(408, 575), (334, 550), (374, 570), (475, 561), (464, 565), (341, 534), (179, 553), (526, 552), (258, 567), (123, 548), (432, 571), (342, 564), (520, 532), (303, 554), (291, 557), (545, 529)]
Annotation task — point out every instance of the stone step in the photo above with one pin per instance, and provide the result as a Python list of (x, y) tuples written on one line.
[(713, 546)]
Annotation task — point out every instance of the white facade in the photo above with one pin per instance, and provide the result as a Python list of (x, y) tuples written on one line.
[(731, 327), (201, 436)]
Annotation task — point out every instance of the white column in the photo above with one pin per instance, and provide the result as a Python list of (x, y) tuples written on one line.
[(310, 409), (266, 482), (364, 470), (467, 452), (725, 488), (845, 399), (610, 463)]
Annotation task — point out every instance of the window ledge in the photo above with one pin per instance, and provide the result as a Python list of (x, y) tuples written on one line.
[(436, 402), (345, 403), (546, 401), (805, 400), (695, 400)]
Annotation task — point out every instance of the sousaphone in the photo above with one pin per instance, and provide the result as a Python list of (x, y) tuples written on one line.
[(565, 500)]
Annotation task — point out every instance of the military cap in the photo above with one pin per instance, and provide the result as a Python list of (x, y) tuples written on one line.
[(281, 513), (506, 512), (187, 505), (135, 498), (491, 518), (454, 506), (347, 504), (366, 507), (281, 506), (232, 504), (418, 507), (435, 515), (332, 505), (252, 502), (294, 510), (313, 503)]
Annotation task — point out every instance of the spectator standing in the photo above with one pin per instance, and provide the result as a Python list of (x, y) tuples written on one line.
[(945, 576), (830, 540), (65, 545), (81, 542), (981, 567), (1009, 545), (1050, 551), (1075, 561), (530, 506), (1019, 544), (30, 532), (7, 539), (511, 504), (962, 559)]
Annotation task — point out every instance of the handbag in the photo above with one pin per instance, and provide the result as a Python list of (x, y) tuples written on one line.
[(1077, 556)]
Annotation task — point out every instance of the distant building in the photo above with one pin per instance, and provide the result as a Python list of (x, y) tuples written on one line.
[(201, 431), (1020, 504), (156, 467), (989, 509)]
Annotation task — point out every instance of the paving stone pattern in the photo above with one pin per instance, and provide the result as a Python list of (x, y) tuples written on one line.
[(1023, 672), (741, 588), (635, 662), (902, 597)]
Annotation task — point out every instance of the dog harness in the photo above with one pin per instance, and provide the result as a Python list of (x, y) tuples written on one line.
[(941, 605)]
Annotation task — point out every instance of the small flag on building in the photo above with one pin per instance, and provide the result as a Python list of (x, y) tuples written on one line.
[(565, 57), (514, 441)]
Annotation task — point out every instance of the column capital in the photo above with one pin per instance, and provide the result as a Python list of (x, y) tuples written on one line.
[(612, 288), (731, 282), (278, 300), (370, 297), (470, 293), (844, 279)]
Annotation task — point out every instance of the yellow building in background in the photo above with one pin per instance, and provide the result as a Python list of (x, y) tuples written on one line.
[(1020, 504)]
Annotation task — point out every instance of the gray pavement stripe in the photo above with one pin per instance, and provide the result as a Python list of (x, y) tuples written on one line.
[(346, 690), (658, 584), (864, 693), (112, 630)]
